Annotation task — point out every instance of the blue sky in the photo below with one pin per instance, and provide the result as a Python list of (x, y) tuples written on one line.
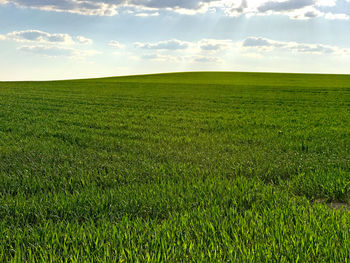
[(60, 39)]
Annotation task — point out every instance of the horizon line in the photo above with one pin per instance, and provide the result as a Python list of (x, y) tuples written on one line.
[(180, 72)]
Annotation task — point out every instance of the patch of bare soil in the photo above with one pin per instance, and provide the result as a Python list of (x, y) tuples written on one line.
[(338, 206), (334, 205)]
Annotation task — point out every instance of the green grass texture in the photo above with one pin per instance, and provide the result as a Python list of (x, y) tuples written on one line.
[(181, 167)]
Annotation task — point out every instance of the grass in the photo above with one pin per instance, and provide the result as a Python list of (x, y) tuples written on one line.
[(186, 167)]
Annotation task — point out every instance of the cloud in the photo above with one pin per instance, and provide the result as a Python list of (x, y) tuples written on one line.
[(173, 44), (162, 58), (116, 44), (110, 7), (296, 9), (182, 51), (52, 51), (285, 5), (265, 44), (189, 7), (83, 40), (261, 43), (206, 59), (168, 58), (204, 45), (83, 7), (311, 14), (299, 9), (48, 51), (50, 44), (215, 50), (40, 36), (214, 45), (333, 16), (158, 4), (147, 14)]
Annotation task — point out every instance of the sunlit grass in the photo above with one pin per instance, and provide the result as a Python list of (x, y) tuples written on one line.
[(194, 167)]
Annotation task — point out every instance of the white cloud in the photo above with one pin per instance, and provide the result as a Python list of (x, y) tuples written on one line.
[(40, 36), (116, 44), (175, 50), (179, 59), (54, 51), (83, 7), (110, 7), (50, 44), (261, 43), (147, 14), (172, 44), (48, 51), (83, 40), (337, 16), (162, 58), (215, 51), (296, 9), (204, 46), (265, 44), (214, 45), (326, 2), (207, 59)]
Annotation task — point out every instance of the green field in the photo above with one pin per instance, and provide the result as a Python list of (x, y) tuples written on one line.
[(186, 167)]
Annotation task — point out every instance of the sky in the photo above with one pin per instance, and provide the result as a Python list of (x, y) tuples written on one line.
[(67, 39)]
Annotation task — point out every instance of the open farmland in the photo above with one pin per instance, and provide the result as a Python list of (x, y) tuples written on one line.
[(184, 167)]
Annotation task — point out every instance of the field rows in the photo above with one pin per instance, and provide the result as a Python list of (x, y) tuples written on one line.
[(194, 167)]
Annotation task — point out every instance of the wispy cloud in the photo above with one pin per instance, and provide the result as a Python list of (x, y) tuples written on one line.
[(214, 45), (162, 58), (172, 44), (207, 59), (116, 44), (51, 51)]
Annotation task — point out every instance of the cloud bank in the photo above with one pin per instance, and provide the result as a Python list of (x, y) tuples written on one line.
[(265, 44), (215, 51), (296, 9)]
